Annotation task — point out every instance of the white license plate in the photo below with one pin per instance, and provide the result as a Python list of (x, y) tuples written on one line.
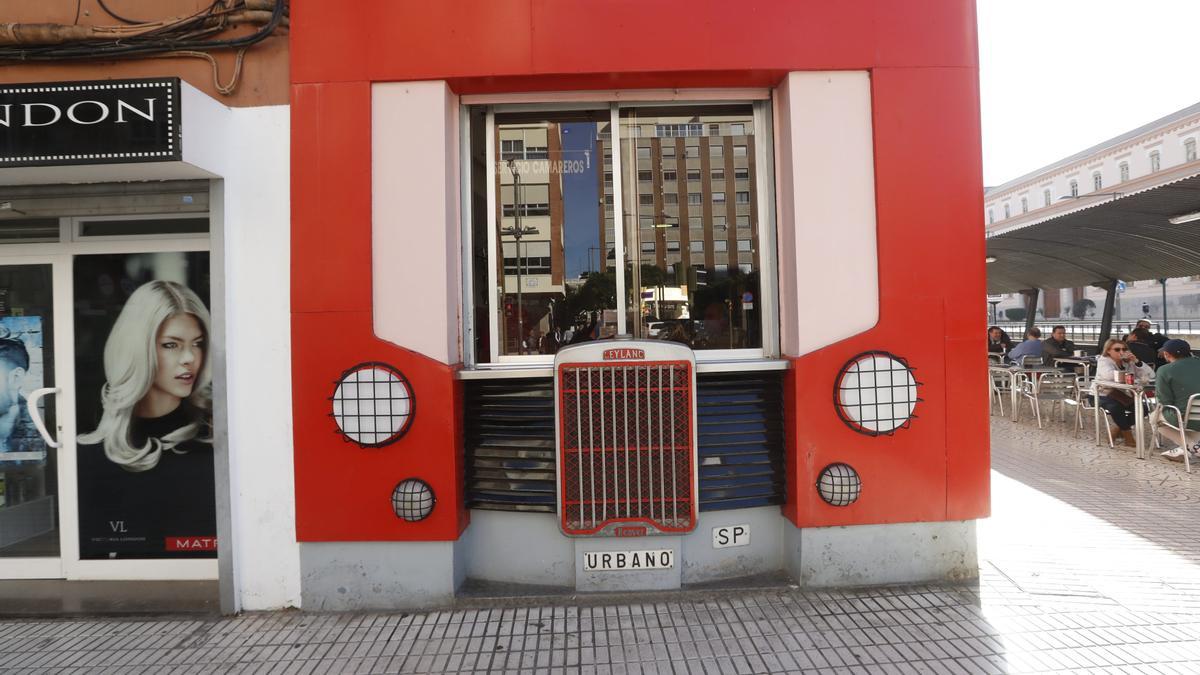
[(614, 561)]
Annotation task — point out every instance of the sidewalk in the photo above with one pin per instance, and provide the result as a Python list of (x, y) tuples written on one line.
[(1091, 562)]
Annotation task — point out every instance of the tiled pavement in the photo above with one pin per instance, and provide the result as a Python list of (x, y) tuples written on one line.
[(1091, 563)]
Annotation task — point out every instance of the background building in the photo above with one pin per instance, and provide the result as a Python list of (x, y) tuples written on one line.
[(1161, 152)]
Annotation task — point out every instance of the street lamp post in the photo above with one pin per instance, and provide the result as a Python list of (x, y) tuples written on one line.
[(516, 231)]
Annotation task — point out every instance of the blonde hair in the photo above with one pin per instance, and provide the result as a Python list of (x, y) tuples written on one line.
[(130, 365), (1109, 343)]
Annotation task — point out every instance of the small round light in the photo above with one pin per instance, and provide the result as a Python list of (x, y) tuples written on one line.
[(413, 500), (373, 404), (876, 393), (839, 485)]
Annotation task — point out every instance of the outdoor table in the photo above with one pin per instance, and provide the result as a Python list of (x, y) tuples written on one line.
[(1138, 391), (1087, 362)]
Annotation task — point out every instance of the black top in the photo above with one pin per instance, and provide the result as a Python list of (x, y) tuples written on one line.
[(133, 514), (1144, 352)]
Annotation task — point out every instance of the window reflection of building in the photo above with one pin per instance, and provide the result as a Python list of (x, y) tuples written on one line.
[(691, 224), (531, 198)]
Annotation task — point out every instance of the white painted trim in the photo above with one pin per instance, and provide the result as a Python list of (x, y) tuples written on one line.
[(466, 237), (614, 115), (493, 294), (725, 366), (539, 99)]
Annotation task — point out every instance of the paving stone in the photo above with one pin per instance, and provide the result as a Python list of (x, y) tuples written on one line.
[(1090, 563)]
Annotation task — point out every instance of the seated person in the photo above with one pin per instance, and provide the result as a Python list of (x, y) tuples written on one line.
[(1158, 338), (1116, 358), (1032, 346), (1141, 343), (1175, 382), (1058, 344), (998, 340)]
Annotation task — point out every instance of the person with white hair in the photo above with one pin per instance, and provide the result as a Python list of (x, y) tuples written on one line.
[(151, 491), (154, 362)]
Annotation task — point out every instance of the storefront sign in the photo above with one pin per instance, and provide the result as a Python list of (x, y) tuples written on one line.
[(101, 122), (613, 561)]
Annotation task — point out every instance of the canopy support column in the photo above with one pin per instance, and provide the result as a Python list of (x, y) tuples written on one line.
[(1106, 318), (1031, 300), (1164, 292)]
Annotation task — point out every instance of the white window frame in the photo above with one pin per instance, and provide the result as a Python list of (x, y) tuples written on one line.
[(764, 187)]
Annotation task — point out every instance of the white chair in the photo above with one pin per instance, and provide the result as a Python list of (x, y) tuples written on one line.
[(1056, 388), (1192, 406)]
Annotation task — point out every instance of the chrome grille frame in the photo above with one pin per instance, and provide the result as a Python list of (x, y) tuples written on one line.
[(626, 449)]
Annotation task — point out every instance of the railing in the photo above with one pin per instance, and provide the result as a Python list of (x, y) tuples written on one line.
[(1088, 332)]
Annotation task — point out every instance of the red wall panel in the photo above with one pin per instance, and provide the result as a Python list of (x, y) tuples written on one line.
[(922, 57)]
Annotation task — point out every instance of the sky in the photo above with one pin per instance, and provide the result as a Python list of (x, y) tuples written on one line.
[(1058, 76)]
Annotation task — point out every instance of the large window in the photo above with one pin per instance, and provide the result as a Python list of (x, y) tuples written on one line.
[(701, 284), (583, 227)]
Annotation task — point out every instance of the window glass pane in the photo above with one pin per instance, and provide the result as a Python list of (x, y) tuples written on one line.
[(555, 279), (709, 300), (140, 227), (16, 230)]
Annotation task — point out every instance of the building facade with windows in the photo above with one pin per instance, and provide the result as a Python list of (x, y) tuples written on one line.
[(565, 259), (144, 326), (508, 293), (1157, 153)]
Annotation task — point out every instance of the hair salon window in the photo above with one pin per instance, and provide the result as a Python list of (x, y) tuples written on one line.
[(553, 264)]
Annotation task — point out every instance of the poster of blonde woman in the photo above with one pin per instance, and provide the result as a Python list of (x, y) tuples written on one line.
[(146, 484)]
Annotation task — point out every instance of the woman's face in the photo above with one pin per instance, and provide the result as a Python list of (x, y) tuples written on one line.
[(180, 352), (1117, 351)]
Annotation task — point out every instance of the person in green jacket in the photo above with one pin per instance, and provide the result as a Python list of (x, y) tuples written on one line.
[(1173, 384)]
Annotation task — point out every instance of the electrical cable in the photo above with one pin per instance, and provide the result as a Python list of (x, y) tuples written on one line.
[(118, 17), (166, 38)]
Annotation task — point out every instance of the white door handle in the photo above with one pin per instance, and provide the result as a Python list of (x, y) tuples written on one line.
[(31, 403)]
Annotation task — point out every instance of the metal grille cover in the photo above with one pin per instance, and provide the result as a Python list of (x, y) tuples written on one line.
[(626, 437)]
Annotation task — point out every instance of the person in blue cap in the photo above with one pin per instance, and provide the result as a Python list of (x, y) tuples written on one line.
[(1173, 384)]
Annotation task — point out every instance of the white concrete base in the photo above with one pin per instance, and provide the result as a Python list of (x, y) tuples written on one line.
[(518, 548), (869, 555), (352, 576), (763, 554)]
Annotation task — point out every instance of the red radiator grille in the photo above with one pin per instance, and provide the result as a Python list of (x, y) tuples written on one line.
[(626, 448)]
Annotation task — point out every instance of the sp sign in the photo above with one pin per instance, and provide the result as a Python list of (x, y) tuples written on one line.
[(730, 536)]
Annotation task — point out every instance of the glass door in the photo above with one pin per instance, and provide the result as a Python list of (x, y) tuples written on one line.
[(31, 471)]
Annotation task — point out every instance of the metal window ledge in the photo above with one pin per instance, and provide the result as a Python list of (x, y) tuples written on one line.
[(502, 372)]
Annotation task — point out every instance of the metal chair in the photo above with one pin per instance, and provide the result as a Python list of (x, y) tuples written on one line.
[(1192, 407), (999, 387), (1085, 403), (1030, 361), (1056, 388)]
